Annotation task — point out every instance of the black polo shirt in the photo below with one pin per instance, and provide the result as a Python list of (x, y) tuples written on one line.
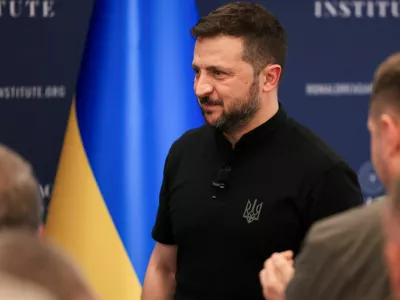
[(228, 209)]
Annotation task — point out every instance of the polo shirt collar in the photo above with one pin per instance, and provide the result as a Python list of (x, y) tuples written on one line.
[(258, 135)]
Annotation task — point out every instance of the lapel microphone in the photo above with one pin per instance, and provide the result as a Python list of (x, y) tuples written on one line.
[(222, 177)]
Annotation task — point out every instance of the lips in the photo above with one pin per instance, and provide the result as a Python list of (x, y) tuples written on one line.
[(208, 106)]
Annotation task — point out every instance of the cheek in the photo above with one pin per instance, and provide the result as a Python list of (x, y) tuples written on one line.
[(378, 151), (374, 151), (232, 90)]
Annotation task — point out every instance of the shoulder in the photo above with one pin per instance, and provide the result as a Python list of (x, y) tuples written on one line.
[(345, 228), (186, 144), (313, 155), (346, 246), (310, 144), (192, 137), (189, 139)]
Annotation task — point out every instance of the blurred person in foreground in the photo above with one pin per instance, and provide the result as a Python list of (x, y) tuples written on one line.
[(21, 204), (43, 267), (12, 288), (343, 256), (248, 183), (24, 257)]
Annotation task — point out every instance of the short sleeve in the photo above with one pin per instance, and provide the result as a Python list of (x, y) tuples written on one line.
[(162, 229), (337, 190)]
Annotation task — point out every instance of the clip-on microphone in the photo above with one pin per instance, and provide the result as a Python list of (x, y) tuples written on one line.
[(222, 178)]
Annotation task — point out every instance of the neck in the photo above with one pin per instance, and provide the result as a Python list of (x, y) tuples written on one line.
[(265, 113), (392, 172), (392, 175)]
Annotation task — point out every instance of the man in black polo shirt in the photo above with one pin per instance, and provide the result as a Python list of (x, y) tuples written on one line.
[(250, 182)]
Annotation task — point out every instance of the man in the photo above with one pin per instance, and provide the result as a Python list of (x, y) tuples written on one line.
[(248, 183), (387, 129), (24, 257), (342, 257), (21, 203)]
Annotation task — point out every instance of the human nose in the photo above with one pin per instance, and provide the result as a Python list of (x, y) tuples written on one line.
[(202, 87)]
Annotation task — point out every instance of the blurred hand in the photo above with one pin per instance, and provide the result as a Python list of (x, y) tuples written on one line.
[(278, 271)]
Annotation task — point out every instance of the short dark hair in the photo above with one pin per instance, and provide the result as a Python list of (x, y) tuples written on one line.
[(386, 85), (21, 204), (264, 38)]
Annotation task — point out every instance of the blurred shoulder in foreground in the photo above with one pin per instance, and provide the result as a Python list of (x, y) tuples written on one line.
[(342, 258)]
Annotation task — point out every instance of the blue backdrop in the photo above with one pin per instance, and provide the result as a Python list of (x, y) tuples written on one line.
[(333, 50)]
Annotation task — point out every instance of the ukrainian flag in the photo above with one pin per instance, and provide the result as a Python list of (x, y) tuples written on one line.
[(134, 98)]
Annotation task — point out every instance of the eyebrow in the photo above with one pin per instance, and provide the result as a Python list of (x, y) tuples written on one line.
[(213, 68)]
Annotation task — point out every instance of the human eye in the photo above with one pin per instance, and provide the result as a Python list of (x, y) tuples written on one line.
[(196, 72), (218, 73)]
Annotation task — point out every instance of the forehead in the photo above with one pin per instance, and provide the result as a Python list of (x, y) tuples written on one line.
[(224, 50)]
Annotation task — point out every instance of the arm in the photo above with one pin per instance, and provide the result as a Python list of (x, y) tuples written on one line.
[(159, 282), (337, 190)]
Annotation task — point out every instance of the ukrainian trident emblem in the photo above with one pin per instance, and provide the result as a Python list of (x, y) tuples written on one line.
[(252, 211)]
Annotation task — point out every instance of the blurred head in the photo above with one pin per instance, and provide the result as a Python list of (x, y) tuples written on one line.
[(20, 198), (238, 59), (384, 120), (28, 259)]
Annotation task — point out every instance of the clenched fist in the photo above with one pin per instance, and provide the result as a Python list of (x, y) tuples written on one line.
[(278, 271)]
